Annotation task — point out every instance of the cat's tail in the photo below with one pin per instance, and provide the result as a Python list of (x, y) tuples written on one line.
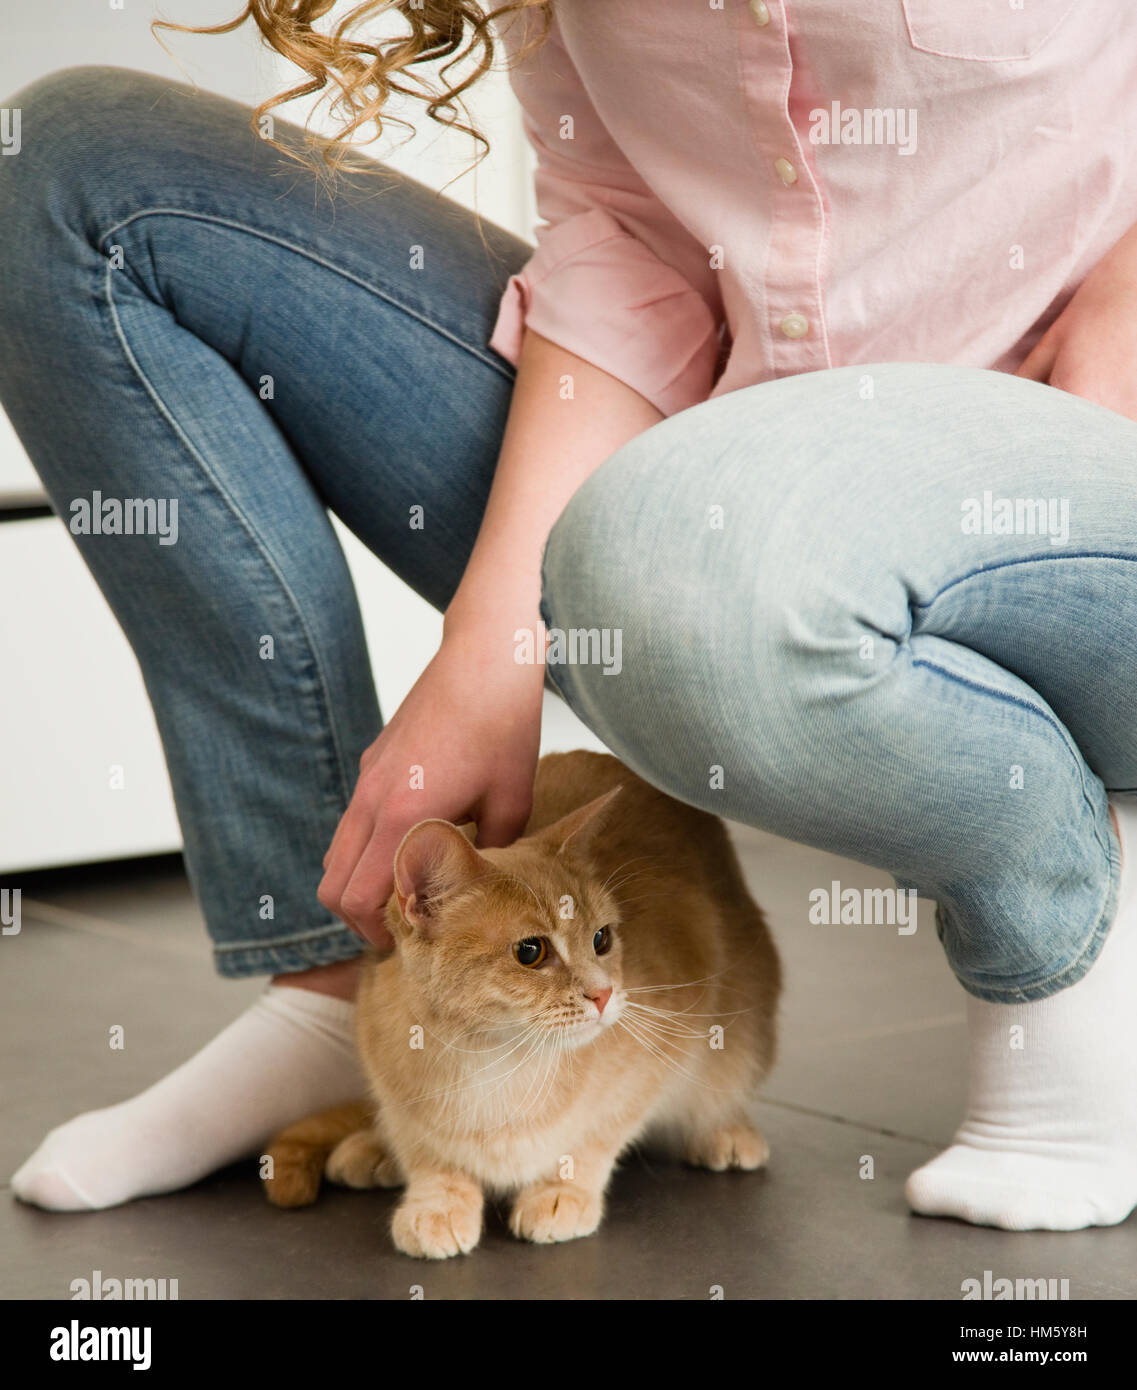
[(297, 1155)]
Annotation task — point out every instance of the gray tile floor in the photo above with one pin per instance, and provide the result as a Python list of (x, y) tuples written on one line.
[(872, 1064)]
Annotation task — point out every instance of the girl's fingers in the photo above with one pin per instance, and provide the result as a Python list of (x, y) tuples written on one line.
[(501, 819), (348, 844), (366, 893)]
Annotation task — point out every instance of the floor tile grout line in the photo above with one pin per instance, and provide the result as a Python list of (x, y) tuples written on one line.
[(846, 1120)]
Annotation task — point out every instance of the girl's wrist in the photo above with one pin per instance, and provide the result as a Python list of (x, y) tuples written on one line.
[(502, 634), (476, 614)]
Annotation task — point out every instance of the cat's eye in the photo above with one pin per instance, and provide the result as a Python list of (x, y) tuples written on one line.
[(532, 951), (602, 941)]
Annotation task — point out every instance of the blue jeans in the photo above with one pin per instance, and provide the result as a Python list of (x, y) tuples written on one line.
[(824, 629)]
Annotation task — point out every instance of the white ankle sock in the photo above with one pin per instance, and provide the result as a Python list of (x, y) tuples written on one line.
[(288, 1055), (1050, 1138)]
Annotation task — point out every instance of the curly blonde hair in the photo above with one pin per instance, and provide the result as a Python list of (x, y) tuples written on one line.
[(363, 75)]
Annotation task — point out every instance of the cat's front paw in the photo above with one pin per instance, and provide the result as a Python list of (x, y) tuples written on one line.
[(360, 1160), (731, 1146), (555, 1211), (438, 1222)]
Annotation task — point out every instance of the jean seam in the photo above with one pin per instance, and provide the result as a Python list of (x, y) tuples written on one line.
[(1001, 695), (286, 959), (269, 943), (246, 525), (1022, 560), (1079, 763), (491, 361)]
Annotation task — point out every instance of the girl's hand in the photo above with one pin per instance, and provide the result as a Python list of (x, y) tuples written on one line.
[(1090, 349), (472, 726)]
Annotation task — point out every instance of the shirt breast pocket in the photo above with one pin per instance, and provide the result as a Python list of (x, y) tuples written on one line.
[(985, 31)]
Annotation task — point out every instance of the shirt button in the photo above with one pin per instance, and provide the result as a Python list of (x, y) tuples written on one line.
[(761, 12), (786, 171), (795, 325)]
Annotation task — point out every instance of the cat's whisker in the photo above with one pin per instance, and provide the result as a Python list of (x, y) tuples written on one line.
[(686, 1013), (667, 1059), (525, 1105), (630, 900), (661, 1032), (666, 1019), (476, 1051), (665, 1036), (653, 1029), (688, 984), (619, 869), (627, 900), (532, 1051), (526, 1033), (561, 1050), (571, 1067), (684, 984), (650, 1045), (453, 1122), (620, 884), (516, 878), (672, 1036), (656, 1050), (669, 1027), (466, 1033), (548, 1084), (613, 884)]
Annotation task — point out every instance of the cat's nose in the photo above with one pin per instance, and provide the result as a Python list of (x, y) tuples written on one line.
[(599, 997)]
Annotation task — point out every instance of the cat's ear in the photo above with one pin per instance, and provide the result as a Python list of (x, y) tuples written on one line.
[(433, 859), (579, 828)]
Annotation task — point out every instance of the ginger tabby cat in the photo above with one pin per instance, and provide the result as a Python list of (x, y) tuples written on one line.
[(605, 978)]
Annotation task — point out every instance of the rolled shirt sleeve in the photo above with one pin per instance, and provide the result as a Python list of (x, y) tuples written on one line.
[(603, 281)]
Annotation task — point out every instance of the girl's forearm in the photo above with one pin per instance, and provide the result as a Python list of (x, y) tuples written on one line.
[(566, 417)]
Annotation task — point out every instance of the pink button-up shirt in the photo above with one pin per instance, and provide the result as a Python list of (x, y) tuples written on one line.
[(738, 190)]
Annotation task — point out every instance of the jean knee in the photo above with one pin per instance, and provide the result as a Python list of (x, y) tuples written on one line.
[(59, 124), (68, 125), (85, 133)]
